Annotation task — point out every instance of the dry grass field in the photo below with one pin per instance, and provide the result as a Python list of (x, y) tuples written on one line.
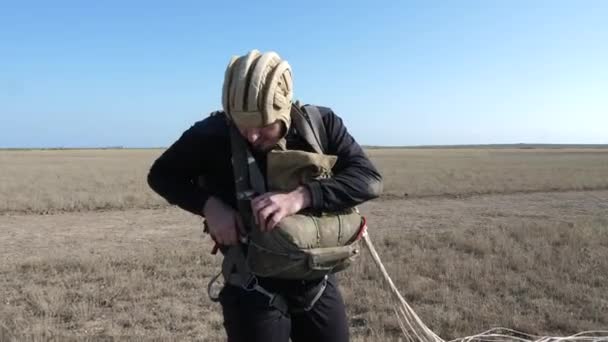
[(80, 180), (458, 172), (483, 238)]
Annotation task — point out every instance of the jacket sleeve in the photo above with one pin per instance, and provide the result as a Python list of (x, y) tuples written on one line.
[(174, 174), (355, 179)]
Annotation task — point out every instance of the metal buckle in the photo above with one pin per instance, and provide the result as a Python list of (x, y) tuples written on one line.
[(251, 283), (245, 195), (271, 299), (317, 295)]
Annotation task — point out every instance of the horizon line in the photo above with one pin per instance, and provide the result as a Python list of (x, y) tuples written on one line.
[(460, 146)]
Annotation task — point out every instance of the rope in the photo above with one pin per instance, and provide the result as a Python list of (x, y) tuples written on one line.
[(414, 330)]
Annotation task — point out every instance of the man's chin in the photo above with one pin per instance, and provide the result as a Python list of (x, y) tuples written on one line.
[(261, 148)]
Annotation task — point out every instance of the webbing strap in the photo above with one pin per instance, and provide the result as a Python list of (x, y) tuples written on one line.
[(249, 282), (248, 182), (306, 129), (248, 179), (256, 180), (318, 127)]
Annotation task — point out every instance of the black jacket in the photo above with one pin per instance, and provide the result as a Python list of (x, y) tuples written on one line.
[(204, 150)]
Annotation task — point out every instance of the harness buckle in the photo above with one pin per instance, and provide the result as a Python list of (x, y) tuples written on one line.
[(271, 299), (274, 299), (317, 295), (251, 284)]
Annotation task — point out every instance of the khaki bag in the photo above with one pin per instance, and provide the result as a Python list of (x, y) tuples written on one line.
[(305, 246), (309, 244)]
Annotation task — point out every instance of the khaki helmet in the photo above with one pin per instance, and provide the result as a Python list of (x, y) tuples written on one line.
[(258, 89)]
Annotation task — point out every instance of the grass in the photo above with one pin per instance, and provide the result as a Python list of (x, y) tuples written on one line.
[(523, 255), (43, 181), (459, 282), (461, 172), (46, 181), (541, 279), (152, 294)]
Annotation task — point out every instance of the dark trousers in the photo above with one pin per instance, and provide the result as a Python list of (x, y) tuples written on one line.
[(249, 317)]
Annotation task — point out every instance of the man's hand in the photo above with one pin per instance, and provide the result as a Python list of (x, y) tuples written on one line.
[(270, 208), (223, 222)]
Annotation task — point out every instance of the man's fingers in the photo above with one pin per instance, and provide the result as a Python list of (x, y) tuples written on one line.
[(275, 219), (219, 239), (257, 215), (256, 205), (257, 199), (227, 235), (231, 238), (268, 210), (265, 214), (255, 208), (262, 200), (239, 225), (260, 203), (261, 197)]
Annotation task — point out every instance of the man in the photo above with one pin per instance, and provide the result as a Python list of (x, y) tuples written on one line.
[(257, 99)]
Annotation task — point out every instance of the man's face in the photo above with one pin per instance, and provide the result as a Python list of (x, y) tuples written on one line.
[(264, 138)]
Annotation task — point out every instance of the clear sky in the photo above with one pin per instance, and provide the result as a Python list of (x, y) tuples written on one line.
[(138, 73)]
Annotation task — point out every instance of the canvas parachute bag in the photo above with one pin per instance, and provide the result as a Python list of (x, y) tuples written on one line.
[(309, 244)]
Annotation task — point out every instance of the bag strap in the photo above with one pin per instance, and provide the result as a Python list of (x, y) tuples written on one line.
[(318, 127), (237, 273), (309, 123), (248, 182), (248, 179)]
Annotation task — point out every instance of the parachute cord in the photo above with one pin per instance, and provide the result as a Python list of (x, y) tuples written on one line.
[(415, 330)]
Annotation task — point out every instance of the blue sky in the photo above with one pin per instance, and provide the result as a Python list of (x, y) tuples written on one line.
[(138, 73)]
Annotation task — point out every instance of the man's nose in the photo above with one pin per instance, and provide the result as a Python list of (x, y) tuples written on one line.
[(252, 137)]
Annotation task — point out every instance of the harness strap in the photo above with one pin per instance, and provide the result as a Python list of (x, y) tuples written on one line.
[(315, 119), (245, 279), (306, 129), (248, 183), (249, 282), (248, 179)]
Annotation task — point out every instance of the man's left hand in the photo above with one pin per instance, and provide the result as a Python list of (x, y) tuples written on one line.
[(270, 208)]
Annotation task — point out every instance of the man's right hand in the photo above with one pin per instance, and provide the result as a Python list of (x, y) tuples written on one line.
[(223, 221)]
